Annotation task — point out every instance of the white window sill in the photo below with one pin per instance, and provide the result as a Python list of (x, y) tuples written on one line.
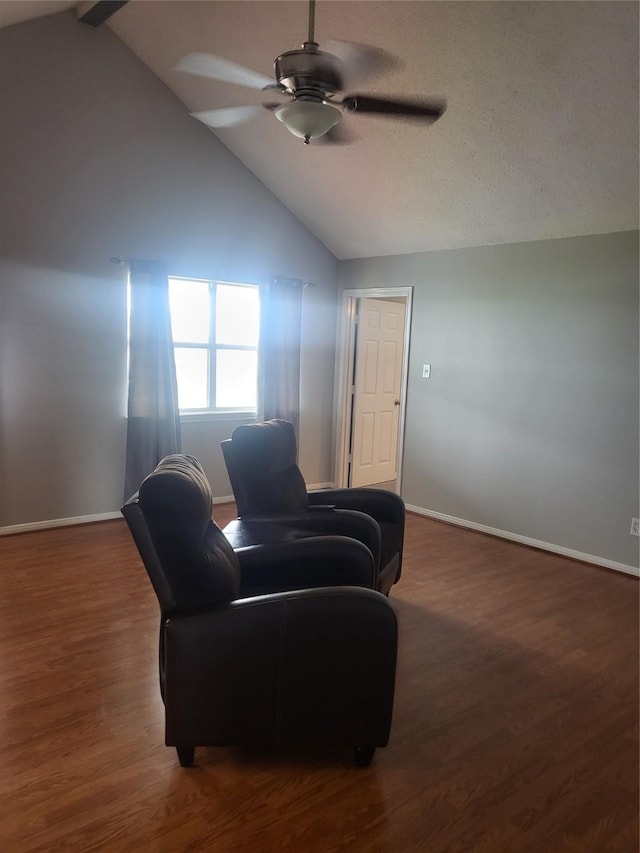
[(198, 417)]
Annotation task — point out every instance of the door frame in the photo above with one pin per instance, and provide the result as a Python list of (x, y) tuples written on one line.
[(345, 356)]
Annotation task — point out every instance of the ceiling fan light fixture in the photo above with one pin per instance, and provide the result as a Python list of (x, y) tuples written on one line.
[(308, 119)]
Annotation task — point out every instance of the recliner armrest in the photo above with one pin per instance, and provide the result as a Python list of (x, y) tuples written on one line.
[(295, 525), (316, 561), (380, 504)]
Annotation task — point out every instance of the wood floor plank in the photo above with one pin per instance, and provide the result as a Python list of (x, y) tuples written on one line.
[(515, 724)]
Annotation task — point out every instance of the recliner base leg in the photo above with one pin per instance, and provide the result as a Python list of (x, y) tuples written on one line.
[(363, 755), (186, 755)]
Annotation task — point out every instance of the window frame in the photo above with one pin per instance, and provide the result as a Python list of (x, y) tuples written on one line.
[(212, 347)]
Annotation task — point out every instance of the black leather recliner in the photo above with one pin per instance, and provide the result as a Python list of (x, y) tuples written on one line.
[(307, 667), (269, 488)]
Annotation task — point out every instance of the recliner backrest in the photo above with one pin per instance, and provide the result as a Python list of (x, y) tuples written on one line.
[(190, 563), (262, 463)]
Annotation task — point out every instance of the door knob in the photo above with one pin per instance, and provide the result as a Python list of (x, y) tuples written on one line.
[(396, 402)]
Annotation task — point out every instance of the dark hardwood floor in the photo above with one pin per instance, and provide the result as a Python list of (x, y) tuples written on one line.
[(515, 727)]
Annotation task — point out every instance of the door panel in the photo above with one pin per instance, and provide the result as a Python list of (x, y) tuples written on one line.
[(378, 377), (370, 379), (391, 358)]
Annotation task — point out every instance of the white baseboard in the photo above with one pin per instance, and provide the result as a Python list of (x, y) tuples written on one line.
[(314, 486), (526, 540), (58, 522), (438, 516), (227, 499), (79, 519)]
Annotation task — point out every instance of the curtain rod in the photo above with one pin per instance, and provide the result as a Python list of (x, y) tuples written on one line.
[(295, 282), (129, 261)]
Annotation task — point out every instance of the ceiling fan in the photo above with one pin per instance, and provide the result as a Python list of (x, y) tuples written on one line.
[(311, 82)]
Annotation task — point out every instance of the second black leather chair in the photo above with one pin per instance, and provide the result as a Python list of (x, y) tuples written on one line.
[(269, 488)]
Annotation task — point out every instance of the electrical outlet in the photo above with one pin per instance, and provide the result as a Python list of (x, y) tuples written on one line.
[(635, 526)]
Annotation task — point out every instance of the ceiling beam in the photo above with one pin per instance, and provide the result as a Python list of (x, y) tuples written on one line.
[(96, 13)]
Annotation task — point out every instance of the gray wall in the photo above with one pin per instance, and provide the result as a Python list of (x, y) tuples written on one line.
[(529, 423), (99, 159)]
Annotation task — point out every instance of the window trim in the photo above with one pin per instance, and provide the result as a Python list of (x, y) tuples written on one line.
[(193, 415)]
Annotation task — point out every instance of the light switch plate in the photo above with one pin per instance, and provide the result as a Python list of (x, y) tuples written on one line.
[(426, 371)]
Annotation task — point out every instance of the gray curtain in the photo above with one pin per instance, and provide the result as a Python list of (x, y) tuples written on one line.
[(153, 425), (280, 322)]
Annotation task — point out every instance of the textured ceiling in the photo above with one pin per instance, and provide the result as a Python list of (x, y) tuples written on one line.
[(540, 138)]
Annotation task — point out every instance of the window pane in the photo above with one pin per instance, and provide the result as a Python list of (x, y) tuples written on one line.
[(189, 306), (236, 378), (192, 370), (237, 315)]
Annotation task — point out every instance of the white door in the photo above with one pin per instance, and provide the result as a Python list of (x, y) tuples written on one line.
[(377, 383)]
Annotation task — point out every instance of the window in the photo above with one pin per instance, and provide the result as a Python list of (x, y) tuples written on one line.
[(215, 339)]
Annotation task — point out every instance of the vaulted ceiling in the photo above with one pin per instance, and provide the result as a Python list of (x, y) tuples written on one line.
[(539, 140)]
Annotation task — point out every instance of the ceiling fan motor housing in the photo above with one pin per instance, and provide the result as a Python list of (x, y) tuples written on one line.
[(311, 70)]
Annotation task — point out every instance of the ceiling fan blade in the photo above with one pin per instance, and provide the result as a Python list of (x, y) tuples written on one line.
[(428, 110), (361, 60), (228, 116), (217, 68)]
